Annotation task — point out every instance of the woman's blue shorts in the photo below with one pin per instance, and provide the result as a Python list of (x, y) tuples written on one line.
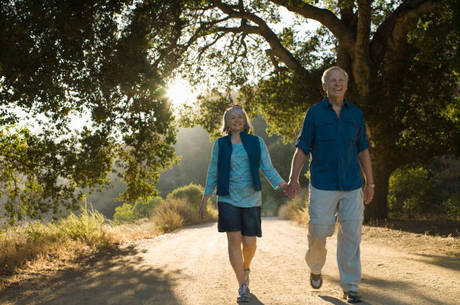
[(245, 220)]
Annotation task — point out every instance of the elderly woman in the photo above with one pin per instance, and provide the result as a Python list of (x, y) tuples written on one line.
[(234, 169)]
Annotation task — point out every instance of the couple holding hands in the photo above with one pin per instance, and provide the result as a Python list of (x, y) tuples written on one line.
[(334, 133)]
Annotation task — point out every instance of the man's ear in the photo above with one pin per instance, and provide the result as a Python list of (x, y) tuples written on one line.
[(324, 87)]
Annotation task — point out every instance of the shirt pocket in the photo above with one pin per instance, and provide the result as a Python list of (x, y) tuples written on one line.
[(326, 130), (350, 130)]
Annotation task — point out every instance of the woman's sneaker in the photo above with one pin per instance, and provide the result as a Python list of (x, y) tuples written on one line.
[(243, 294), (351, 296)]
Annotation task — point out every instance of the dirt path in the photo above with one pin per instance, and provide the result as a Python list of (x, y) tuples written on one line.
[(190, 267)]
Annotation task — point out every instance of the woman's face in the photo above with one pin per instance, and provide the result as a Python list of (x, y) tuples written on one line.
[(236, 122)]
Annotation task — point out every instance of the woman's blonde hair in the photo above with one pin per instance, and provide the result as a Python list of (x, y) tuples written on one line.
[(225, 129)]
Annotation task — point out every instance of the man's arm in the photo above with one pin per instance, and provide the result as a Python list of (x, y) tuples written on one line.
[(365, 161), (298, 160)]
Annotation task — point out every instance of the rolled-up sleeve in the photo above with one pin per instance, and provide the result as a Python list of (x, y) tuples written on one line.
[(211, 180), (266, 166), (363, 141), (306, 137)]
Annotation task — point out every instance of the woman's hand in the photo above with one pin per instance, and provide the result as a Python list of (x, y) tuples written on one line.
[(202, 211)]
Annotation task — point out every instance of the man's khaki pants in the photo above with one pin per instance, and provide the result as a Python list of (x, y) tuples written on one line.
[(325, 207)]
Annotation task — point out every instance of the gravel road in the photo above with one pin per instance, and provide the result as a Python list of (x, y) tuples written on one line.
[(190, 267)]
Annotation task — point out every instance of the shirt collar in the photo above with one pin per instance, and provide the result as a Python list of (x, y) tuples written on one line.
[(328, 104)]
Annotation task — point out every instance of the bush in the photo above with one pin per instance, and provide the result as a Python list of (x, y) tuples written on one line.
[(130, 213), (192, 193), (124, 213), (295, 209), (172, 214), (411, 192)]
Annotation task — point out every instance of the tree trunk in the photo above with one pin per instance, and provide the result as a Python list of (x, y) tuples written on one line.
[(378, 208)]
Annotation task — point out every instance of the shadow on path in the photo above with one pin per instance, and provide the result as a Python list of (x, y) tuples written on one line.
[(377, 291), (448, 262), (443, 227), (333, 300), (116, 277), (253, 300)]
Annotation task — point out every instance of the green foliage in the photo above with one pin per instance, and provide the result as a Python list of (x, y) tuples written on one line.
[(433, 189), (131, 212), (191, 194), (87, 228), (407, 88), (103, 61), (32, 173), (124, 213), (411, 191)]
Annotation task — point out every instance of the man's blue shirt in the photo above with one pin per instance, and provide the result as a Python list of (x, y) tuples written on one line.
[(334, 143)]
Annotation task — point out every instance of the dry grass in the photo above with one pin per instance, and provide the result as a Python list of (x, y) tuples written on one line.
[(36, 244), (176, 213), (295, 209), (66, 239), (413, 242)]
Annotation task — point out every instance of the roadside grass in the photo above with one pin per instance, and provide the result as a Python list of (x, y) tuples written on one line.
[(76, 236), (65, 239), (175, 213), (295, 209)]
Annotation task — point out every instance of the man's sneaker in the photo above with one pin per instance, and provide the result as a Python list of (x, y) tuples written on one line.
[(352, 296), (246, 276), (316, 280), (243, 294)]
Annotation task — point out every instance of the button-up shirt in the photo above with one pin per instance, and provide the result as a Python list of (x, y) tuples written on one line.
[(334, 143)]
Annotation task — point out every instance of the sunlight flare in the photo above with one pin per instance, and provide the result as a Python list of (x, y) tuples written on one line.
[(180, 92)]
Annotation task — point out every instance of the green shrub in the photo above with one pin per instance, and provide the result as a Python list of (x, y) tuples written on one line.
[(452, 208), (411, 192), (130, 213), (87, 228), (191, 193), (145, 209), (124, 213)]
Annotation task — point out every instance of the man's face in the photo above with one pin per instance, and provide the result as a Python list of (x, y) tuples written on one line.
[(336, 85)]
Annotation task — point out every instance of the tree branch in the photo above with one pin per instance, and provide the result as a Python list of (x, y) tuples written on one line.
[(325, 17), (392, 33), (261, 29)]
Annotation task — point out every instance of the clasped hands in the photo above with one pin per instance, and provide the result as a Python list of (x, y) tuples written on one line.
[(291, 189)]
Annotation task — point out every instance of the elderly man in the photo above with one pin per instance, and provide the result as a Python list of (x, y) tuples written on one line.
[(334, 133)]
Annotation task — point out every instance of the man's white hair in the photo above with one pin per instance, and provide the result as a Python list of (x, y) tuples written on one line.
[(329, 70)]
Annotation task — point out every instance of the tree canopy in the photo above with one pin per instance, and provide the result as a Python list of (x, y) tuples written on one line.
[(402, 58), (106, 61), (109, 60)]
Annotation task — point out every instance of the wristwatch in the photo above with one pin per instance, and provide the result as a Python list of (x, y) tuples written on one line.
[(371, 185)]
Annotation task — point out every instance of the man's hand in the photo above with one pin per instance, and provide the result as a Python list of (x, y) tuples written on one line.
[(368, 194), (293, 189)]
